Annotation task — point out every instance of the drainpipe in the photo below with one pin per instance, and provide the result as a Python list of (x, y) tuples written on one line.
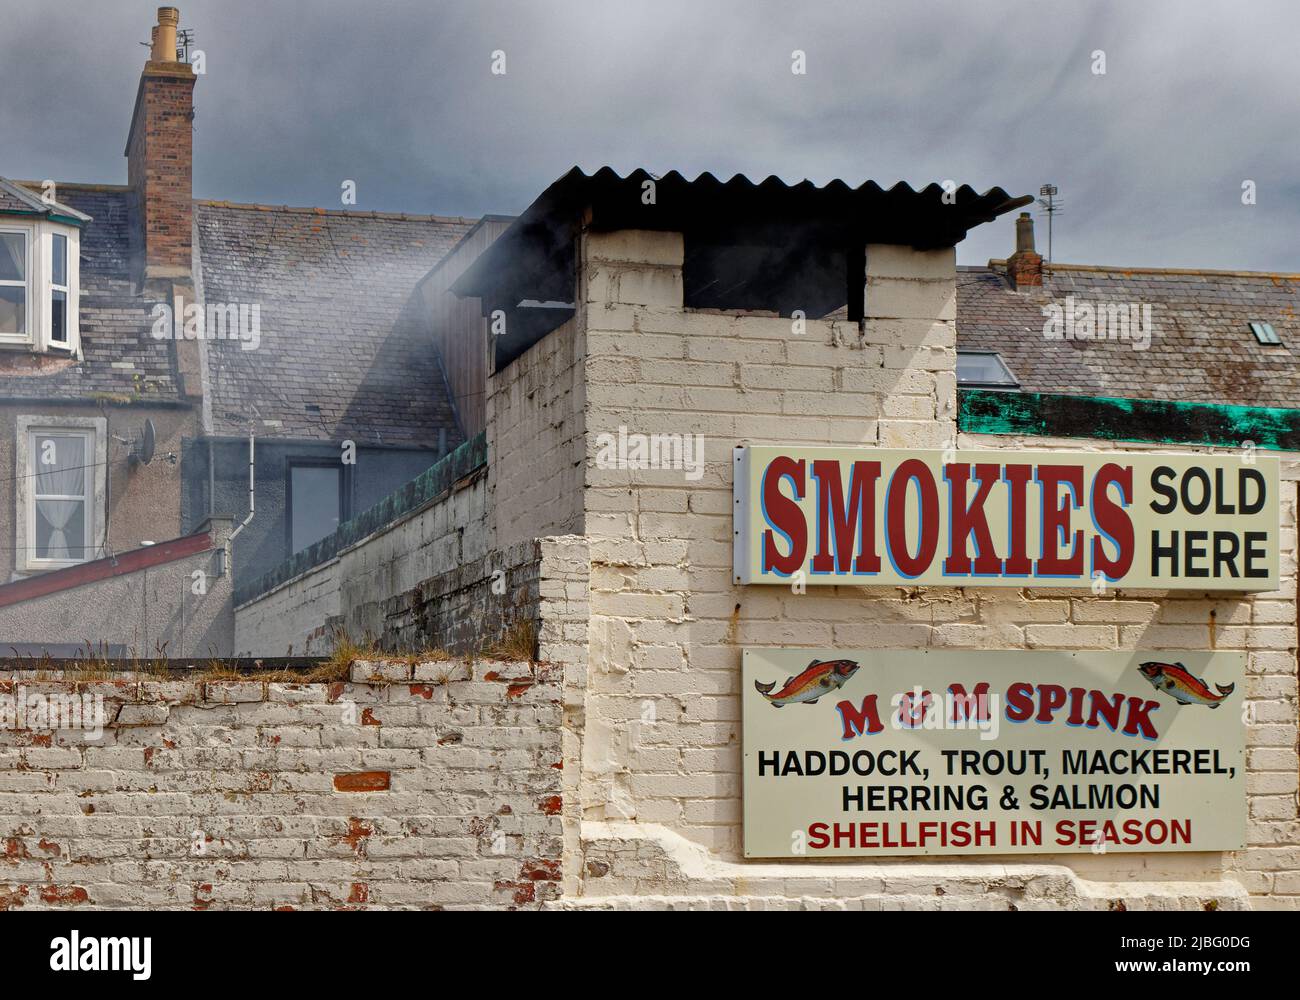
[(244, 523)]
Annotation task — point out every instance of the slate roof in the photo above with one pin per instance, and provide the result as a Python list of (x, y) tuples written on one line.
[(345, 351), (119, 355), (18, 200), (1202, 348)]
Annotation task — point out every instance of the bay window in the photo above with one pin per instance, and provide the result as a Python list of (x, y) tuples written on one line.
[(14, 321), (39, 285), (59, 289)]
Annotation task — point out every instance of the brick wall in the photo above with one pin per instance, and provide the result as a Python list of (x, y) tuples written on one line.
[(535, 440), (659, 797), (160, 165), (409, 787)]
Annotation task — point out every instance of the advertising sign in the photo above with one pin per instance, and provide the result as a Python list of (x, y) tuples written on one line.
[(853, 753), (858, 516)]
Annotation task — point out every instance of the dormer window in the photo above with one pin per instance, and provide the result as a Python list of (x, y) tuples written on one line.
[(40, 242)]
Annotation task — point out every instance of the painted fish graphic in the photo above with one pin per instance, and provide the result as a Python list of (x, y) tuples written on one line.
[(821, 677), (1175, 680)]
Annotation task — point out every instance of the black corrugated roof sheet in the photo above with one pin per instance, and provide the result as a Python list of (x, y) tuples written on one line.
[(538, 248)]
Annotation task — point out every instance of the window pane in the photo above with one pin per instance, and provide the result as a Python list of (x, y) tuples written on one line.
[(13, 257), (986, 369), (314, 492), (59, 317), (59, 265), (61, 529), (13, 309), (59, 462)]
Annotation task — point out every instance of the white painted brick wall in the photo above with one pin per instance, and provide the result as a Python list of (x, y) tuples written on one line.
[(351, 795), (667, 625)]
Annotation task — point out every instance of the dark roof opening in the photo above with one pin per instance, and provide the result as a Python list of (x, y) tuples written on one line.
[(768, 246)]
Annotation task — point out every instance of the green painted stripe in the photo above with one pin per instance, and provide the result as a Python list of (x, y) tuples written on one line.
[(984, 411)]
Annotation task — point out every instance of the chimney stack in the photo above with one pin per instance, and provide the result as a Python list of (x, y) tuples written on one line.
[(159, 151), (1025, 266)]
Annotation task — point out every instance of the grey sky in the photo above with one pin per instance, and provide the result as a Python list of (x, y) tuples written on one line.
[(398, 96)]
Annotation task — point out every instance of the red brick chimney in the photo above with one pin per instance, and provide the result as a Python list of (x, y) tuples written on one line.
[(159, 151), (1025, 266)]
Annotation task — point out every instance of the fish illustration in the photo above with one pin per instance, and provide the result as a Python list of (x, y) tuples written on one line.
[(1175, 680), (820, 677)]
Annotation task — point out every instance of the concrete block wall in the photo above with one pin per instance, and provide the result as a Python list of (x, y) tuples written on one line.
[(468, 607), (357, 589), (660, 747), (425, 786), (535, 440), (293, 619)]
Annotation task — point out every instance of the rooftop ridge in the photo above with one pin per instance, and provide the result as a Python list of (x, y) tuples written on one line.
[(77, 185), (363, 214), (1216, 272)]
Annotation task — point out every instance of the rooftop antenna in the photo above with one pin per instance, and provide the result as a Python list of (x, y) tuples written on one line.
[(1051, 206), (184, 39)]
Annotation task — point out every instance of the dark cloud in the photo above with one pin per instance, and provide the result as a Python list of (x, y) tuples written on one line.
[(399, 97)]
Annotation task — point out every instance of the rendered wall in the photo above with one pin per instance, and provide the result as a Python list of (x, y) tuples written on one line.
[(149, 613)]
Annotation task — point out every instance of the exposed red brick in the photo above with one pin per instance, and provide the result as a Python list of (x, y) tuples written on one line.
[(422, 691), (523, 892), (551, 805), (360, 893), (362, 781), (540, 870), (356, 835), (67, 894), (516, 689), (49, 847), (368, 718), (12, 898)]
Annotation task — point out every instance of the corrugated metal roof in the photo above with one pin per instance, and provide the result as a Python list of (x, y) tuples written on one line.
[(536, 252)]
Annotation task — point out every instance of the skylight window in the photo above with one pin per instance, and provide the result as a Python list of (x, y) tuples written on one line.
[(1265, 333), (984, 370)]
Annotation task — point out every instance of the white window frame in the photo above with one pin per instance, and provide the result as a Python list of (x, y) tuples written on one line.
[(26, 232), (95, 430), (66, 289), (40, 287)]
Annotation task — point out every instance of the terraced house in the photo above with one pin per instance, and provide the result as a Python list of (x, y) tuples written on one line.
[(939, 483)]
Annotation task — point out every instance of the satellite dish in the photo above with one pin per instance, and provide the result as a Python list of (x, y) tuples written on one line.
[(142, 450)]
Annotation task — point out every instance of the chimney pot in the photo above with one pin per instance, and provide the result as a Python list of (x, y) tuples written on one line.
[(164, 35), (1025, 266), (1024, 233)]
